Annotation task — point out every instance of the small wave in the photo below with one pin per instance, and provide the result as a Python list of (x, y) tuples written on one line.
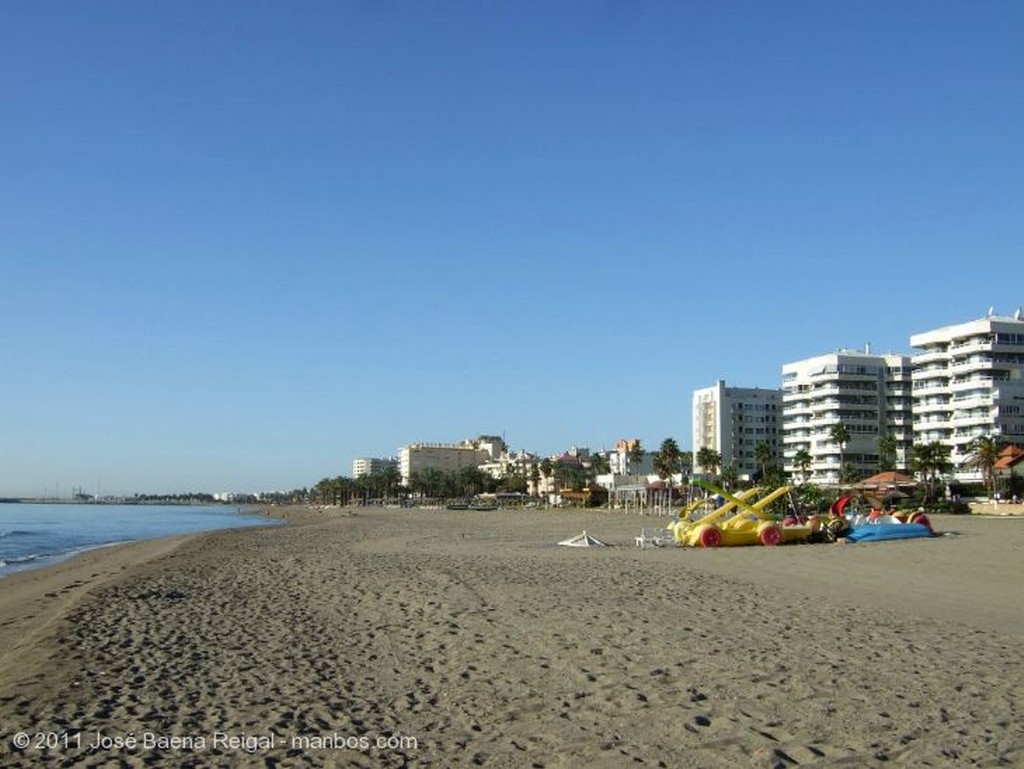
[(14, 533), (14, 560)]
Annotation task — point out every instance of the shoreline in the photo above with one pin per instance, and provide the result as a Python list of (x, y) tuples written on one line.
[(32, 599), (38, 562), (474, 634)]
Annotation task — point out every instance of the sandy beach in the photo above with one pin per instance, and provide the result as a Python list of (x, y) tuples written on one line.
[(440, 638)]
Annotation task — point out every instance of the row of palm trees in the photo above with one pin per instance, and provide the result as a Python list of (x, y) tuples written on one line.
[(931, 461), (469, 481), (430, 483)]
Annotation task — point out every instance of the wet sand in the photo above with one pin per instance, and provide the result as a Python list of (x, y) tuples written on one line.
[(462, 638)]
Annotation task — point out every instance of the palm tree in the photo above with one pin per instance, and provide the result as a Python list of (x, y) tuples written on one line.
[(546, 468), (984, 455), (764, 455), (730, 476), (931, 460), (667, 462), (802, 460), (686, 462), (391, 479), (636, 453), (470, 481), (709, 460), (840, 434), (887, 446)]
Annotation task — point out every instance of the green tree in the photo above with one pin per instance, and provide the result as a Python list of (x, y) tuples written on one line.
[(802, 460), (636, 454), (547, 468), (730, 477), (599, 464), (391, 480), (984, 453), (470, 481), (430, 483), (667, 463), (765, 457), (569, 476), (686, 462), (775, 477), (709, 460), (930, 460), (840, 435), (887, 446)]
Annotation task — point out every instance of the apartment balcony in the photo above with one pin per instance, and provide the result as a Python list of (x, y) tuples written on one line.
[(796, 432), (967, 421), (932, 408), (899, 392), (971, 344), (823, 423), (972, 383), (964, 435), (939, 417), (932, 383), (929, 355), (899, 420), (933, 367), (797, 414), (972, 400), (963, 367), (935, 383), (822, 407)]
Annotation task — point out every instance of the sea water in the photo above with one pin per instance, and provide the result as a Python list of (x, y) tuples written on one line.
[(34, 535)]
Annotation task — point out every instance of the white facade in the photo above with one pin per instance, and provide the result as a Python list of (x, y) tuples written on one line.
[(510, 464), (968, 381), (370, 466), (446, 457), (732, 421), (869, 394), (619, 462)]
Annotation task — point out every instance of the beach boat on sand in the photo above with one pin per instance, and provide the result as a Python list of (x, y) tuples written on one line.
[(685, 530), (878, 532), (742, 521), (880, 528), (582, 540)]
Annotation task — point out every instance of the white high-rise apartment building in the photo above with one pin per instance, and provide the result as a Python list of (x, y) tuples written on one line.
[(969, 382), (733, 421), (869, 394), (371, 466)]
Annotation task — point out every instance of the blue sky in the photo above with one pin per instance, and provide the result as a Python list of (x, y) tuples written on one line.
[(243, 243)]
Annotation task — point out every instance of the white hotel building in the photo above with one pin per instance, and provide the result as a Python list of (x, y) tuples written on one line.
[(448, 457), (371, 466), (870, 394), (969, 382)]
